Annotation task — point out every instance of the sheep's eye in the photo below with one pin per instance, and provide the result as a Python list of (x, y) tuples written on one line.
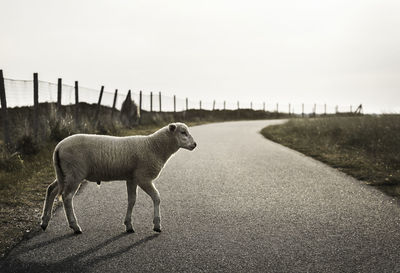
[(184, 133)]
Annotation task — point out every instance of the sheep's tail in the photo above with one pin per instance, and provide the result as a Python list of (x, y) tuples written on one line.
[(59, 173)]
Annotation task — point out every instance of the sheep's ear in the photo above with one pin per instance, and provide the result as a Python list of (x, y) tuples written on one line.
[(171, 127)]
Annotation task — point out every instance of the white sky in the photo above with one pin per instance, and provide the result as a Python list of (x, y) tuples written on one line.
[(312, 51)]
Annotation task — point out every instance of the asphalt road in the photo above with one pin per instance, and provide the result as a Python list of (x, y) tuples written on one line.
[(238, 203)]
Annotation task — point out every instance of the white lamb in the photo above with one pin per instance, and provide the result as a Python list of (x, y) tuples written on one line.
[(136, 159)]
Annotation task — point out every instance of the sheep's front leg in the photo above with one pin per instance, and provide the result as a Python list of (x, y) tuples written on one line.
[(132, 190), (155, 196)]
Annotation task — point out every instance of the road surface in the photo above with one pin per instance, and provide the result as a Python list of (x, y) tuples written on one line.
[(238, 203)]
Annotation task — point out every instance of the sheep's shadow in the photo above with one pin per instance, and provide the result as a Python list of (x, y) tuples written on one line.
[(43, 244), (73, 262)]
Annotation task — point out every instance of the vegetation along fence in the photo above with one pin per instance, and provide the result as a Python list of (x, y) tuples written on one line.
[(19, 93)]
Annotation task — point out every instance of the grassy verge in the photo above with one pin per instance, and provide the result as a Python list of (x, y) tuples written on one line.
[(22, 190), (365, 147)]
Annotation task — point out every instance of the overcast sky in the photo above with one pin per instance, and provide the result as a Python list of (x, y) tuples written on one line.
[(288, 51)]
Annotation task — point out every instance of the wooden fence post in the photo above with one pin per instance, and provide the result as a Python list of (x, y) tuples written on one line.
[(277, 107), (315, 109), (187, 104), (224, 105), (99, 103), (59, 92), (159, 97), (289, 109), (36, 104), (213, 105), (325, 109), (151, 101), (251, 105), (200, 105), (264, 106), (174, 103), (238, 105), (114, 102), (351, 108), (77, 103), (140, 106), (4, 112), (302, 110), (140, 101)]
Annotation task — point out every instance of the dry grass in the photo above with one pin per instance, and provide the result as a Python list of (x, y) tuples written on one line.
[(366, 147)]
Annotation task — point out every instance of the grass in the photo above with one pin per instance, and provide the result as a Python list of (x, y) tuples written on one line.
[(365, 147)]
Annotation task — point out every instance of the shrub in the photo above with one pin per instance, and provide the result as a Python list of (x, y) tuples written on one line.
[(27, 145)]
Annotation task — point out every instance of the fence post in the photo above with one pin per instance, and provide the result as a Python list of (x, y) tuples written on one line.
[(174, 103), (351, 108), (159, 96), (114, 102), (59, 92), (187, 104), (99, 103), (277, 107), (213, 105), (140, 106), (36, 104), (224, 105), (315, 109), (4, 110), (337, 109), (302, 110), (151, 101), (76, 103), (289, 109), (325, 109), (200, 105), (238, 105), (251, 105), (264, 106)]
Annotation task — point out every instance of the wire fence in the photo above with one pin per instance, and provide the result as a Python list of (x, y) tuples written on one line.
[(20, 93)]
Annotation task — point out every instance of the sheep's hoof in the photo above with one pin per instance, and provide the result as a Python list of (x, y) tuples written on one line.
[(43, 226), (157, 229), (130, 230), (78, 231)]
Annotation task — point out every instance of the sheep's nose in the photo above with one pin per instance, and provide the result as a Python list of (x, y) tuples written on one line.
[(195, 144)]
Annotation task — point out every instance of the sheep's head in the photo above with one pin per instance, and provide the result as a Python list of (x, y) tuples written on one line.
[(181, 132)]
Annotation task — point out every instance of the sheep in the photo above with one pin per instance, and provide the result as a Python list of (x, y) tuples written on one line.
[(136, 159)]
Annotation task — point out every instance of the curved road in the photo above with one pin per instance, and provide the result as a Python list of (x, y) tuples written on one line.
[(238, 203)]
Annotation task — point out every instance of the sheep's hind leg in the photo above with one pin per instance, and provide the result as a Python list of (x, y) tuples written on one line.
[(51, 193), (67, 197), (132, 190), (155, 196)]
